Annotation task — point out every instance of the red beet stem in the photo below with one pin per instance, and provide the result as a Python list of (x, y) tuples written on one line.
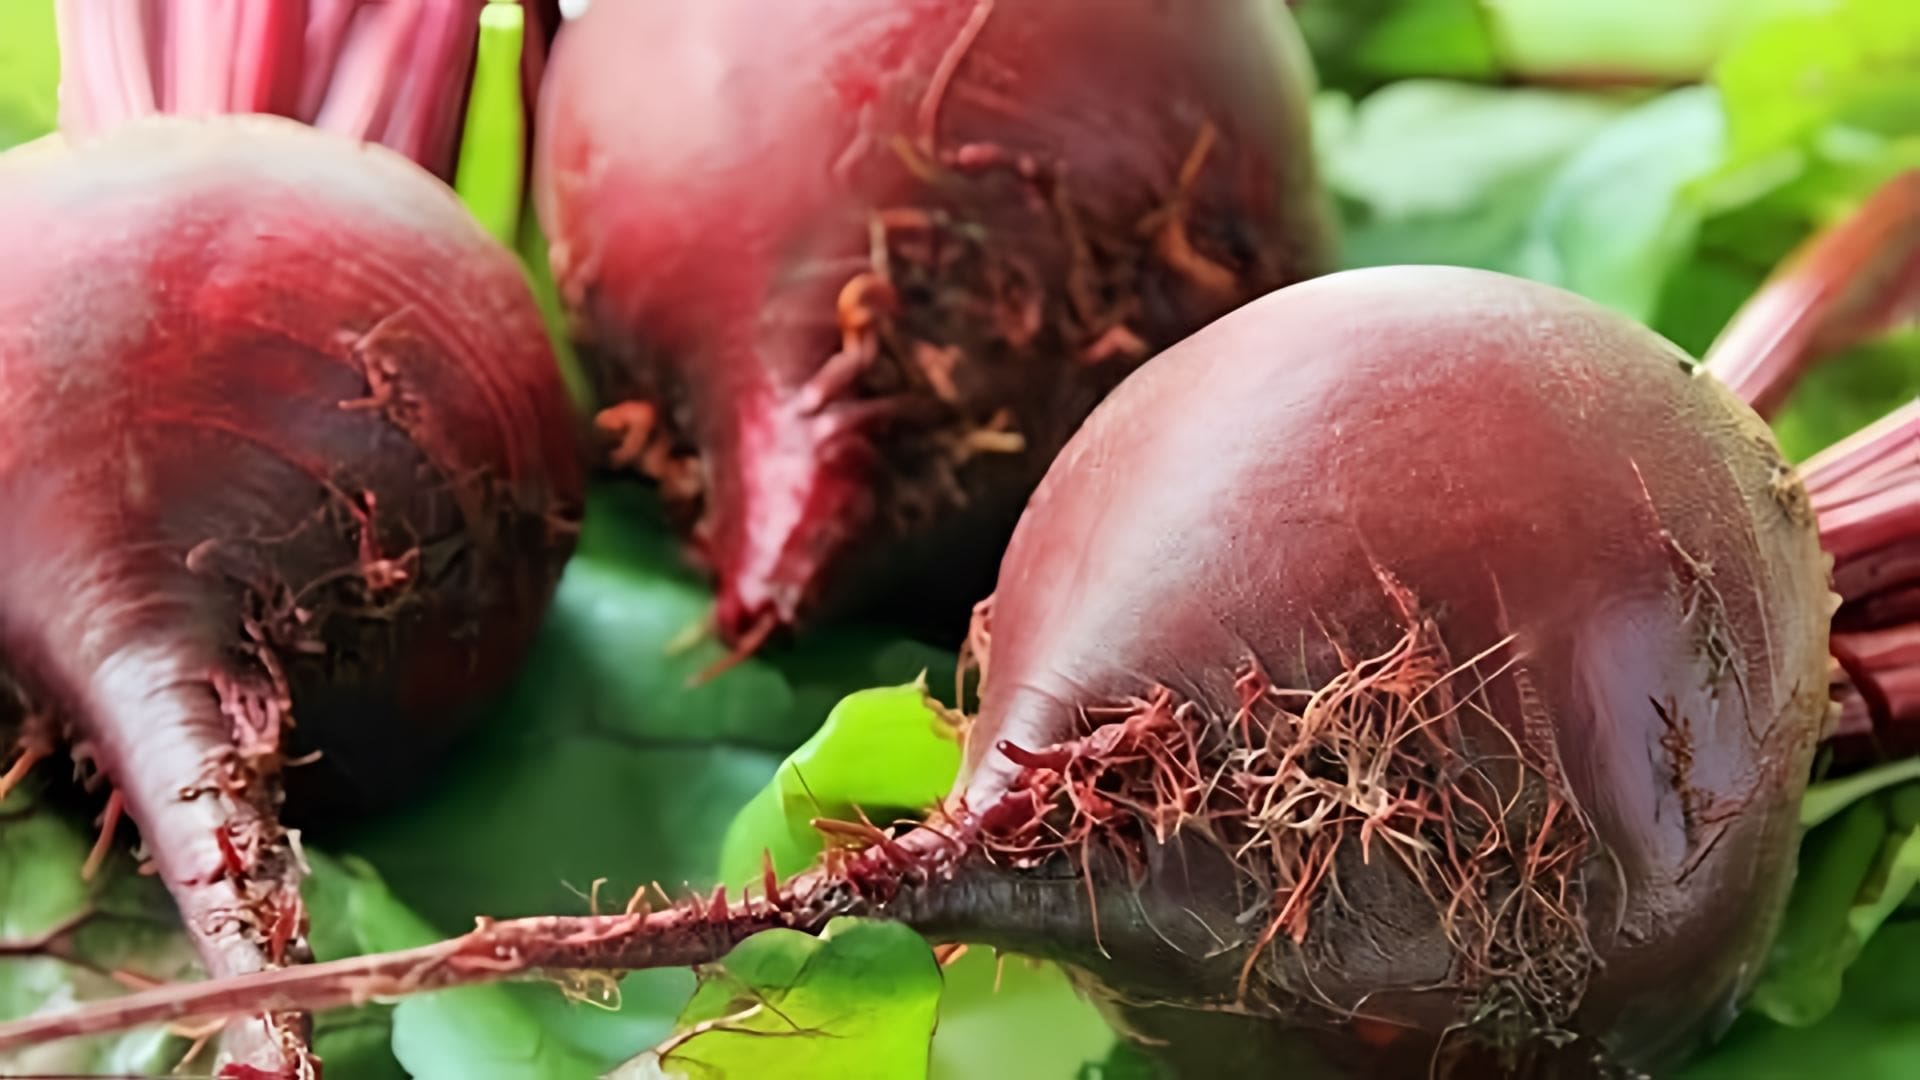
[(1849, 283), (925, 879), (1866, 493)]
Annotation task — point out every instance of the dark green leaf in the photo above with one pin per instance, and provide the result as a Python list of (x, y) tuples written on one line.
[(601, 762), (132, 929)]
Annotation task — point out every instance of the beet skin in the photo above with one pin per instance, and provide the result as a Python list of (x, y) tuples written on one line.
[(850, 272), (289, 466)]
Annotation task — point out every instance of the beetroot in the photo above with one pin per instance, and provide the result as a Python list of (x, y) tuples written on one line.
[(1415, 672), (290, 468), (850, 272)]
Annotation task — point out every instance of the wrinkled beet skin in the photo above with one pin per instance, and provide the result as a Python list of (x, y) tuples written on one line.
[(189, 312), (1486, 441), (707, 174)]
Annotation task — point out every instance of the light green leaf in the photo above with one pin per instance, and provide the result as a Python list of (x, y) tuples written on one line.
[(992, 1003), (1853, 64), (1641, 39), (1420, 180), (858, 1000), (1616, 217), (880, 751), (1814, 946), (889, 750)]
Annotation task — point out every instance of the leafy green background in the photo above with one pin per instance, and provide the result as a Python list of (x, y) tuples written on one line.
[(1655, 155)]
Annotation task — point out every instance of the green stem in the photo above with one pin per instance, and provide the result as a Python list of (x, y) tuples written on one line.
[(492, 168)]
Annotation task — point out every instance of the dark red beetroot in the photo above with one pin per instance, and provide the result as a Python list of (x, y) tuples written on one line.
[(1416, 670), (850, 272), (1575, 582), (287, 445)]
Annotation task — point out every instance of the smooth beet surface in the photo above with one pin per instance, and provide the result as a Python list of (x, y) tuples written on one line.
[(849, 273), (289, 467)]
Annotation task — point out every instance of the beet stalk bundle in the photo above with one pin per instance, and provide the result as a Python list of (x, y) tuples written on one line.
[(1414, 673), (849, 273), (287, 442)]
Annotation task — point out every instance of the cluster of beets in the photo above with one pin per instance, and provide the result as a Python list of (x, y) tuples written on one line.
[(1408, 669)]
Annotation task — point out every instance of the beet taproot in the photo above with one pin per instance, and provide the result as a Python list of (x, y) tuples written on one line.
[(291, 473), (848, 273)]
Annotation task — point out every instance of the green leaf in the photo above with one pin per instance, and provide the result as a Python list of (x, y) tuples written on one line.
[(601, 761), (132, 928), (1871, 1034), (1361, 42), (1617, 242), (1858, 865), (29, 71), (1826, 799), (482, 1032), (1853, 65), (857, 1001), (880, 752), (1654, 40), (1420, 181), (894, 750), (992, 1003), (1814, 946)]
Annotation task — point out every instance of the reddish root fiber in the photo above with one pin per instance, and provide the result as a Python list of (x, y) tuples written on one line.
[(1297, 786), (1865, 492), (1848, 284), (898, 872), (33, 743)]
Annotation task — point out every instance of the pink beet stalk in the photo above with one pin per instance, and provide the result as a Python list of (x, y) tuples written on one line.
[(1850, 283), (1855, 280), (1866, 494)]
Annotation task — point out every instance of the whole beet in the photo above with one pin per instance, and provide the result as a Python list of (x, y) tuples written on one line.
[(289, 466), (851, 271), (1603, 551)]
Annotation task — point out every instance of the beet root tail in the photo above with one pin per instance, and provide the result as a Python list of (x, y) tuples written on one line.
[(192, 752), (926, 879)]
